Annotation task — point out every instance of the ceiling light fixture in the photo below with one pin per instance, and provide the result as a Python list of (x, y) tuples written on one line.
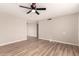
[(33, 10)]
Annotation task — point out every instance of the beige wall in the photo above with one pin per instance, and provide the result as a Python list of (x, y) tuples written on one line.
[(62, 29), (78, 29), (12, 29), (31, 29)]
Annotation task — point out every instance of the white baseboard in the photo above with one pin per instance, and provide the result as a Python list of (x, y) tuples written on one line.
[(40, 38), (12, 42), (60, 42)]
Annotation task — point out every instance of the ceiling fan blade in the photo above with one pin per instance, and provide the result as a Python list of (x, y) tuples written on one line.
[(36, 12), (29, 11), (40, 8), (24, 7)]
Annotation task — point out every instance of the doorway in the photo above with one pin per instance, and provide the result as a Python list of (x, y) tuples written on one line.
[(32, 30)]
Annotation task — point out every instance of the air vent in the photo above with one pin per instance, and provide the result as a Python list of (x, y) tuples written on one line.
[(49, 19)]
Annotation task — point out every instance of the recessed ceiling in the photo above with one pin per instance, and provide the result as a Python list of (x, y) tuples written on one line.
[(52, 10)]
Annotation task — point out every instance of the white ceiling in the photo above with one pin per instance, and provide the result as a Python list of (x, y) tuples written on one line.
[(52, 10)]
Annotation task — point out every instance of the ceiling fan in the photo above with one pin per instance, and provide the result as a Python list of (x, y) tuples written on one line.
[(33, 8)]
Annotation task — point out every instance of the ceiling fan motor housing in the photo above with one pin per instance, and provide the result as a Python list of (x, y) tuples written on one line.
[(33, 6)]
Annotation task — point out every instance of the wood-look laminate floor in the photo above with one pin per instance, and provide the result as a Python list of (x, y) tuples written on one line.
[(33, 47)]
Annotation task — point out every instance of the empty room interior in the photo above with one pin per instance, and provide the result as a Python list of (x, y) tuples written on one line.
[(39, 29)]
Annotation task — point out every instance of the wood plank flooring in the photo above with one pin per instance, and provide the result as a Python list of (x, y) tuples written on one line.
[(34, 47)]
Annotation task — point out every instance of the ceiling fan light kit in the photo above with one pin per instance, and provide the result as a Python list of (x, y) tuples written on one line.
[(33, 10)]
